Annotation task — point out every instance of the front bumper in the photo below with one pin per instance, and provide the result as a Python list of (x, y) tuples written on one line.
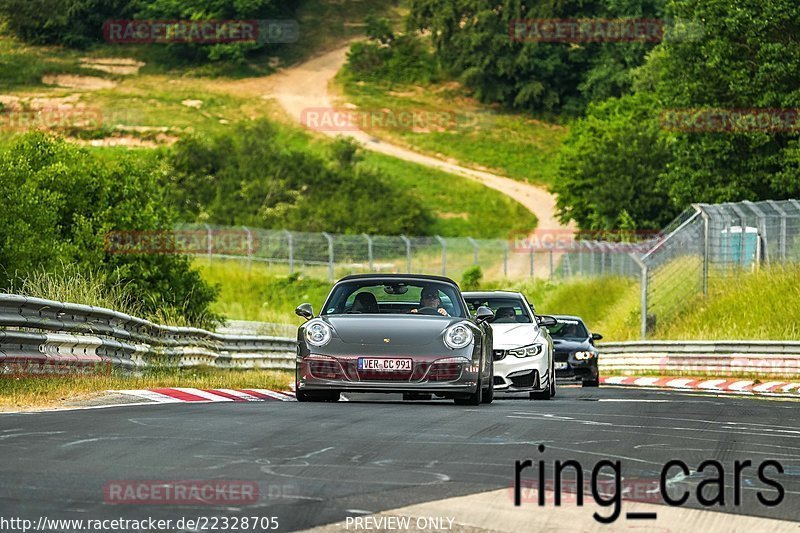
[(341, 373), (567, 367), (518, 374)]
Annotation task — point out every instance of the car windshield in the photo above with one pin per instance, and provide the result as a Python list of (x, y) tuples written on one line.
[(506, 310), (568, 328), (420, 297)]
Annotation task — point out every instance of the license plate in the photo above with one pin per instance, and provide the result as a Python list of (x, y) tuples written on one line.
[(384, 365), (562, 366)]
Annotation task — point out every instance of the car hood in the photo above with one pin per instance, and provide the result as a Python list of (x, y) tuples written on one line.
[(507, 336), (561, 345), (401, 330)]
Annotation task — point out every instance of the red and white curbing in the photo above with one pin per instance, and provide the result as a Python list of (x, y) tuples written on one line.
[(705, 384), (177, 395)]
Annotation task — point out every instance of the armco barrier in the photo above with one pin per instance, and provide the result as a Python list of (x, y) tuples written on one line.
[(722, 358), (44, 335), (39, 335)]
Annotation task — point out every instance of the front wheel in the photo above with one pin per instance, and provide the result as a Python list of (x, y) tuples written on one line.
[(547, 393), (473, 399)]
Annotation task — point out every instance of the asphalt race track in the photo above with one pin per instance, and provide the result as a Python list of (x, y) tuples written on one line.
[(317, 464)]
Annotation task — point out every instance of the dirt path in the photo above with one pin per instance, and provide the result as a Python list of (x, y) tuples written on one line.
[(306, 86)]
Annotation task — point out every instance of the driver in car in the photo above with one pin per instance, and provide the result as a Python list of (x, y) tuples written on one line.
[(430, 299)]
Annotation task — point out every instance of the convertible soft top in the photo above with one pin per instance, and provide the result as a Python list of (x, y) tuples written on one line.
[(399, 276)]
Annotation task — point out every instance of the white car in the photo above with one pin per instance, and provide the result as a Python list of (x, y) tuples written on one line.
[(523, 349)]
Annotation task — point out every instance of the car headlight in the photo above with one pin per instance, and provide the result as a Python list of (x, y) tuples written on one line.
[(527, 351), (583, 356), (458, 336), (318, 333)]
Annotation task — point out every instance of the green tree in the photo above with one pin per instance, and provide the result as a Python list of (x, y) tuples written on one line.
[(609, 167), (60, 202), (473, 38), (748, 57), (249, 177)]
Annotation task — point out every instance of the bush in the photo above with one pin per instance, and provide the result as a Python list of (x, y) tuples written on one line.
[(471, 278), (59, 203), (387, 57), (608, 168), (248, 177), (76, 23), (79, 23)]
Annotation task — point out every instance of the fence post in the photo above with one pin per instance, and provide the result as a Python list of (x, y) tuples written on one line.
[(408, 252), (209, 242), (530, 252), (249, 248), (505, 259), (290, 240), (474, 250), (551, 263), (643, 295), (706, 249), (330, 255), (444, 254), (782, 239), (369, 249)]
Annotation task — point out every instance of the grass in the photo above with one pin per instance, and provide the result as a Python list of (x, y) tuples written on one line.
[(68, 284), (608, 305), (758, 305), (258, 294), (53, 391), (761, 305), (483, 137)]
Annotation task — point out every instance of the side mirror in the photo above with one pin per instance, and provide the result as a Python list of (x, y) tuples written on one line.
[(546, 321), (483, 314), (305, 311), (596, 336)]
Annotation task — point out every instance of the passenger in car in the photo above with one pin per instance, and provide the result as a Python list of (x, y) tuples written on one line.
[(365, 302)]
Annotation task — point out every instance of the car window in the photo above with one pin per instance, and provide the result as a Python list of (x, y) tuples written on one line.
[(568, 329), (506, 310), (390, 297)]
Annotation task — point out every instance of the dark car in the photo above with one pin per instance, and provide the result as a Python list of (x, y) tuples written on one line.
[(575, 353), (395, 333)]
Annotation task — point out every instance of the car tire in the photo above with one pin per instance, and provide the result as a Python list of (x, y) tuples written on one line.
[(552, 382), (591, 382), (473, 399), (488, 394), (548, 393)]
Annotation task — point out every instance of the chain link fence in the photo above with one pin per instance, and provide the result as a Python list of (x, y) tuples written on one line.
[(714, 240)]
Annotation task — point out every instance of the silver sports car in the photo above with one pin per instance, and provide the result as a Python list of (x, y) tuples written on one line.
[(400, 333)]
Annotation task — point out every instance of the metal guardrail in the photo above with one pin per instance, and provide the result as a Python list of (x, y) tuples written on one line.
[(49, 336), (45, 335), (723, 358)]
